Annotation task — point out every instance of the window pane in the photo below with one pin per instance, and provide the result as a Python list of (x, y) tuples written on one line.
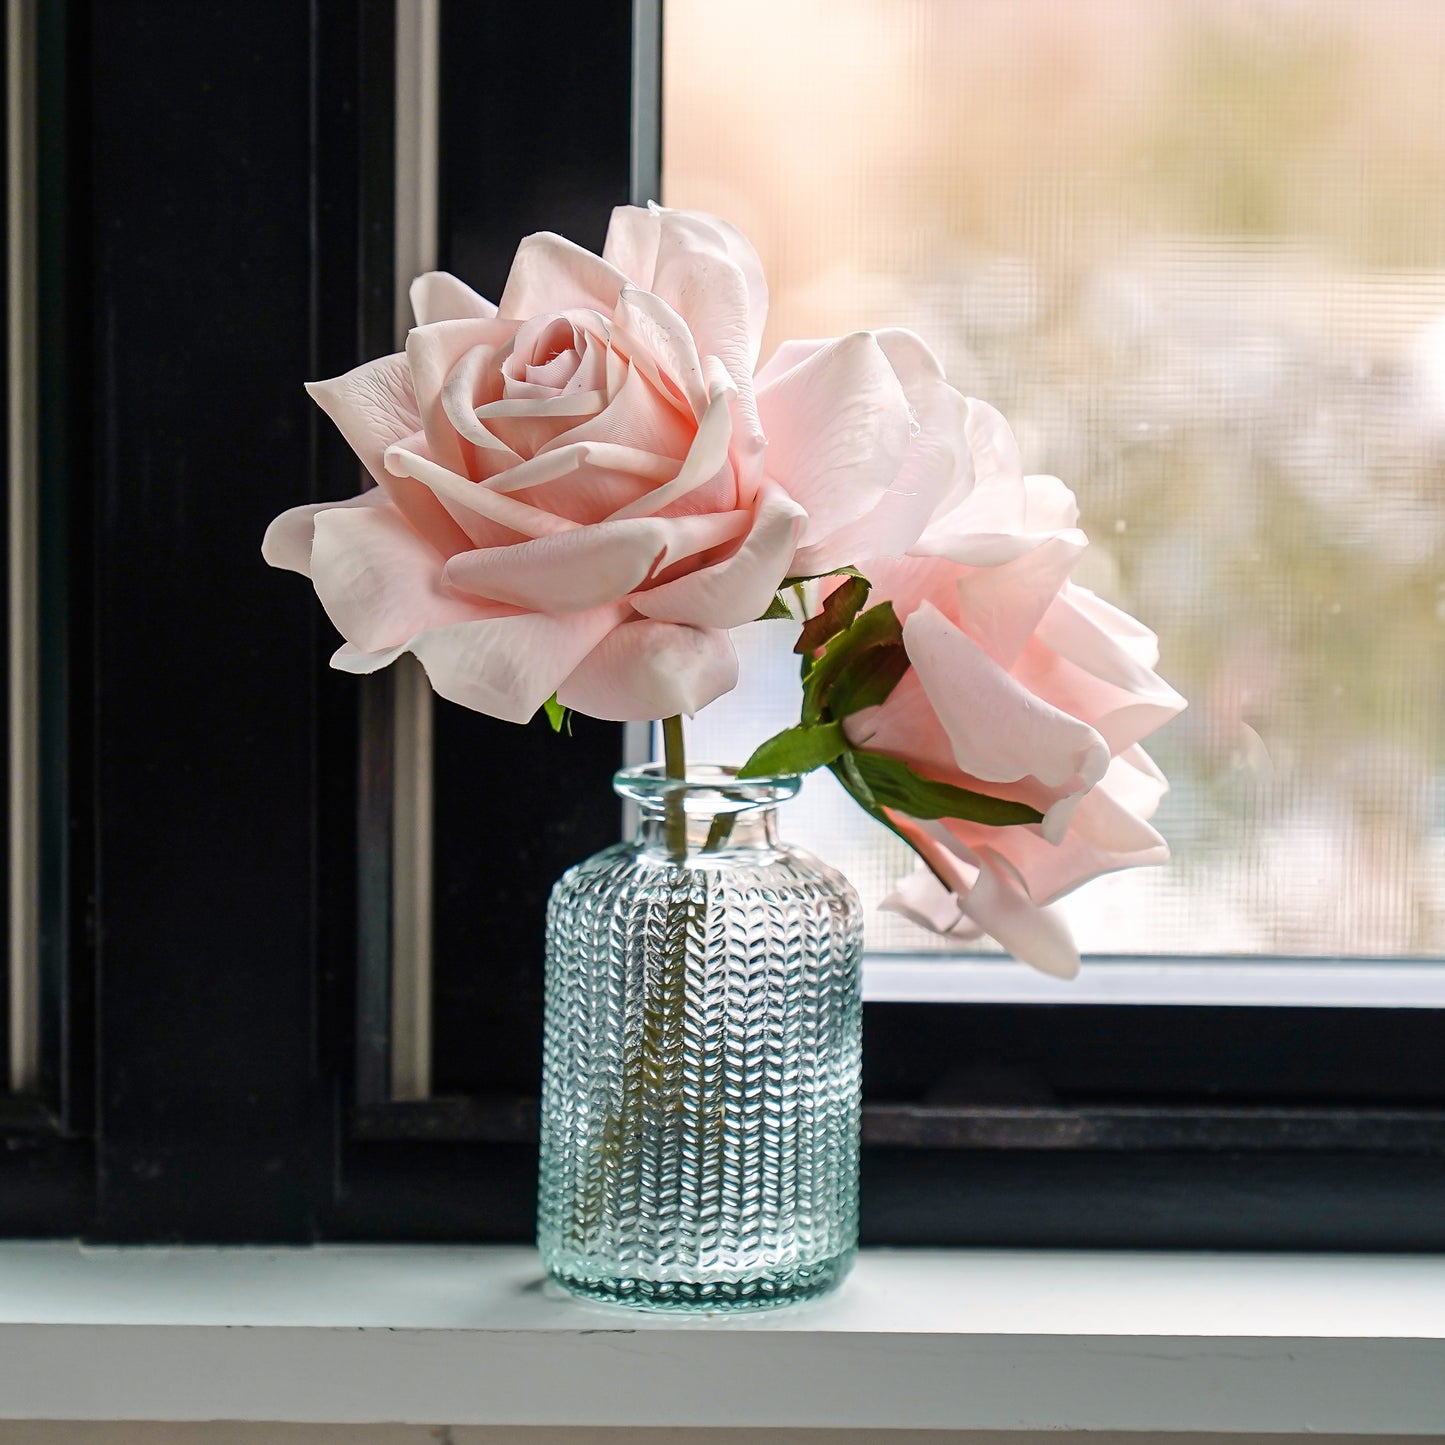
[(1196, 253), (516, 807)]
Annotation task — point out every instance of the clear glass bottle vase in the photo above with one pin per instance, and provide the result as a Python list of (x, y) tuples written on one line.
[(700, 1098)]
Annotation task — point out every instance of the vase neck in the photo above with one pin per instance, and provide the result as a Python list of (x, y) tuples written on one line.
[(755, 831), (719, 812)]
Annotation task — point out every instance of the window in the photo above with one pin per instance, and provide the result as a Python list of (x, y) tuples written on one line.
[(227, 973), (221, 242), (1194, 253), (1162, 1123)]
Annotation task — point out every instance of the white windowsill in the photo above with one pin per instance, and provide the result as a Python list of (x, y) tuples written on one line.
[(1259, 982), (996, 1340)]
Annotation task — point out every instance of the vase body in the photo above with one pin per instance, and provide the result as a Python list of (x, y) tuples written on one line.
[(700, 1100)]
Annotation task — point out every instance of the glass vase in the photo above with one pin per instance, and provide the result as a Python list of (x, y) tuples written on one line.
[(700, 1098)]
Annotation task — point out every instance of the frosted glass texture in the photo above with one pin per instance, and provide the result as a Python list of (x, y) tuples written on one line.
[(1195, 251), (702, 1071)]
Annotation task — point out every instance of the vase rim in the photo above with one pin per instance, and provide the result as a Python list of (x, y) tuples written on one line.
[(708, 787)]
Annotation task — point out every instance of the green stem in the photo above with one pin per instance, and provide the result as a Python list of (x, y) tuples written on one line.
[(719, 833), (674, 761), (654, 1082)]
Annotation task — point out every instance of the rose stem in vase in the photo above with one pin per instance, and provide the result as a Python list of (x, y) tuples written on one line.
[(674, 759)]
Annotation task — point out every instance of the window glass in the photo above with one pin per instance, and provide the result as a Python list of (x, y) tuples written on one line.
[(1196, 253)]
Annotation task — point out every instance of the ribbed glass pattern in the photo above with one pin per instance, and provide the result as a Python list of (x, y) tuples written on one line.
[(700, 1105)]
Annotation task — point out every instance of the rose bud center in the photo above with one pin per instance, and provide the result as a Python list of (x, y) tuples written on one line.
[(545, 359)]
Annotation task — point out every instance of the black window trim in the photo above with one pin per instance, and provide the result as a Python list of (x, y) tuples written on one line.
[(214, 1083)]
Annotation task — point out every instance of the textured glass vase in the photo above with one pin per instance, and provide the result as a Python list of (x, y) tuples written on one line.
[(700, 1098)]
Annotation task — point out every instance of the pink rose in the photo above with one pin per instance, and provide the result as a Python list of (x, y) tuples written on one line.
[(580, 489), (1022, 686), (894, 459)]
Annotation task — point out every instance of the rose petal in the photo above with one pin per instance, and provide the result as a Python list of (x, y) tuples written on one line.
[(1109, 831), (990, 500), (560, 461), (706, 273), (433, 353), (972, 540), (912, 360), (1034, 934), (529, 425), (995, 450), (1049, 506), (439, 296), (372, 406), (551, 273), (588, 494), (694, 262), (984, 888), (1135, 781), (932, 467), (544, 402), (1001, 607), (906, 727), (922, 899), (549, 340), (687, 242), (288, 540), (1104, 836), (918, 370), (505, 667), (739, 588), (657, 342), (636, 416), (788, 355), (838, 428), (554, 354), (1076, 662), (631, 244), (999, 730), (368, 405), (1126, 633), (711, 277), (476, 507), (707, 456), (586, 567), (971, 548), (378, 581), (910, 581), (648, 669), (469, 383)]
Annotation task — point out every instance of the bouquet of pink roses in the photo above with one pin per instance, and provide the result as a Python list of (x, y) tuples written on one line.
[(581, 489)]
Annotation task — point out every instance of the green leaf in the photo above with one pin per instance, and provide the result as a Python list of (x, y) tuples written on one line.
[(868, 680), (895, 785), (818, 576), (556, 714), (777, 611), (839, 609), (846, 772), (877, 627), (796, 750)]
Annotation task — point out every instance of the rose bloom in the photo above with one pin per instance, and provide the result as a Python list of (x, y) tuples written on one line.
[(582, 488), (1023, 686)]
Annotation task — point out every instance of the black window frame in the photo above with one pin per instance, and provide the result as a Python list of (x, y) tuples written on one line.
[(218, 997), (47, 1158)]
